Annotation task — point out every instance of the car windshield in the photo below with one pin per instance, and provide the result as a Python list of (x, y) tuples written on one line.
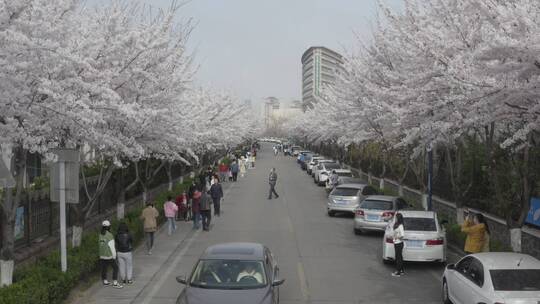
[(345, 192), (332, 166), (376, 205), (229, 274), (419, 224), (516, 279)]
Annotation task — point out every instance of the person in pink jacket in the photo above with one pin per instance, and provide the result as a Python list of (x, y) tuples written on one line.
[(170, 209)]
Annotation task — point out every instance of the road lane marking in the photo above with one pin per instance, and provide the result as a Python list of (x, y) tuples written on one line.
[(303, 281), (170, 269)]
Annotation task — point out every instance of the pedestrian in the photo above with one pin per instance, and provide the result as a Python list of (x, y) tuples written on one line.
[(223, 170), (209, 176), (206, 212), (272, 180), (216, 193), (149, 217), (242, 166), (399, 234), (475, 231), (234, 170), (124, 246), (181, 203), (107, 254), (195, 208), (487, 234), (171, 210), (334, 179), (275, 151)]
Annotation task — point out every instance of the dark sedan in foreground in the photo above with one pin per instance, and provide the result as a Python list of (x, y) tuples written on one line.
[(233, 273)]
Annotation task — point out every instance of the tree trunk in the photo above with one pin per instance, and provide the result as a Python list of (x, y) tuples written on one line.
[(8, 247), (168, 168), (515, 239)]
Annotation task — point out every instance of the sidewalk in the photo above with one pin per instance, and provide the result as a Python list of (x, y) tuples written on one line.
[(147, 267)]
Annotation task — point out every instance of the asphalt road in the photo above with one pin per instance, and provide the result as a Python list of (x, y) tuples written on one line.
[(319, 256)]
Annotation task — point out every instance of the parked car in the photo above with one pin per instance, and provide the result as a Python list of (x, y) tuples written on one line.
[(424, 241), (315, 167), (492, 277), (286, 149), (301, 155), (346, 197), (351, 180), (342, 173), (376, 211), (314, 161), (307, 159), (295, 150), (323, 172), (233, 273)]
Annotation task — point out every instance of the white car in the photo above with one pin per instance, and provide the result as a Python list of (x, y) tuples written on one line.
[(492, 277), (313, 162), (323, 172), (341, 173), (316, 167), (424, 241)]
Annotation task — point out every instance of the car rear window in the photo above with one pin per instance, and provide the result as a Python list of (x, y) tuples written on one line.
[(345, 191), (345, 174), (419, 224), (332, 166), (376, 205), (516, 279)]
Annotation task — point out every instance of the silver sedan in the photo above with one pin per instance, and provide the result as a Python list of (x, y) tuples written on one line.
[(347, 197)]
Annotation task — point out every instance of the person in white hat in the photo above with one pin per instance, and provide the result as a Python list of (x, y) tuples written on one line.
[(107, 254)]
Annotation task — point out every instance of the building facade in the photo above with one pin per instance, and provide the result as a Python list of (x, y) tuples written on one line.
[(320, 66)]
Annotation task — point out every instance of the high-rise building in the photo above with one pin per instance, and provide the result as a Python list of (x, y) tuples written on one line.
[(319, 68)]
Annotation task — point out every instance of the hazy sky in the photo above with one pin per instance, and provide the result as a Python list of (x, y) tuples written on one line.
[(253, 47)]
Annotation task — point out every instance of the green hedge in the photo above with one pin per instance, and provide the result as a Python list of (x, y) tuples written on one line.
[(44, 282)]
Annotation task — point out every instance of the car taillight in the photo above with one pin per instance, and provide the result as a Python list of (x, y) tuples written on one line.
[(434, 242), (390, 240), (388, 215), (359, 212)]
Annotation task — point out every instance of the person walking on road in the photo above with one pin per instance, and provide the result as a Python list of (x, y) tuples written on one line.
[(243, 164), (196, 207), (216, 192), (206, 212), (149, 217), (399, 234), (170, 209), (234, 170), (334, 179), (107, 254), (223, 171), (476, 231), (272, 180), (124, 246), (181, 202)]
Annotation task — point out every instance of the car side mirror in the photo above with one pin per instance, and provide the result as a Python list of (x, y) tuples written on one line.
[(181, 280), (451, 266), (278, 282)]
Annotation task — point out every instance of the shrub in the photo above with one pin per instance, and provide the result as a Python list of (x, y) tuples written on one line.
[(44, 282)]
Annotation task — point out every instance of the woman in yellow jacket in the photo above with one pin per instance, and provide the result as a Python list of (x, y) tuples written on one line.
[(476, 229)]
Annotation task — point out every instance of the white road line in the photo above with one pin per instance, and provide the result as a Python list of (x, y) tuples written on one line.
[(303, 281), (174, 266), (171, 268)]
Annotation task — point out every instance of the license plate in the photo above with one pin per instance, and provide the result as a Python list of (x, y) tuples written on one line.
[(374, 218), (414, 244), (339, 202)]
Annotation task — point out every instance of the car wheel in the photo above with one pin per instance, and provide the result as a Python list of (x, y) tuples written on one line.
[(358, 231), (446, 297), (331, 213)]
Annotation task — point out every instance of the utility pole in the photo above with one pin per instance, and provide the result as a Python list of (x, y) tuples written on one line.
[(430, 178), (65, 189)]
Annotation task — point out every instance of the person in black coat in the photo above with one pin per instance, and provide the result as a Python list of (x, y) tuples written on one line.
[(124, 248), (216, 192)]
